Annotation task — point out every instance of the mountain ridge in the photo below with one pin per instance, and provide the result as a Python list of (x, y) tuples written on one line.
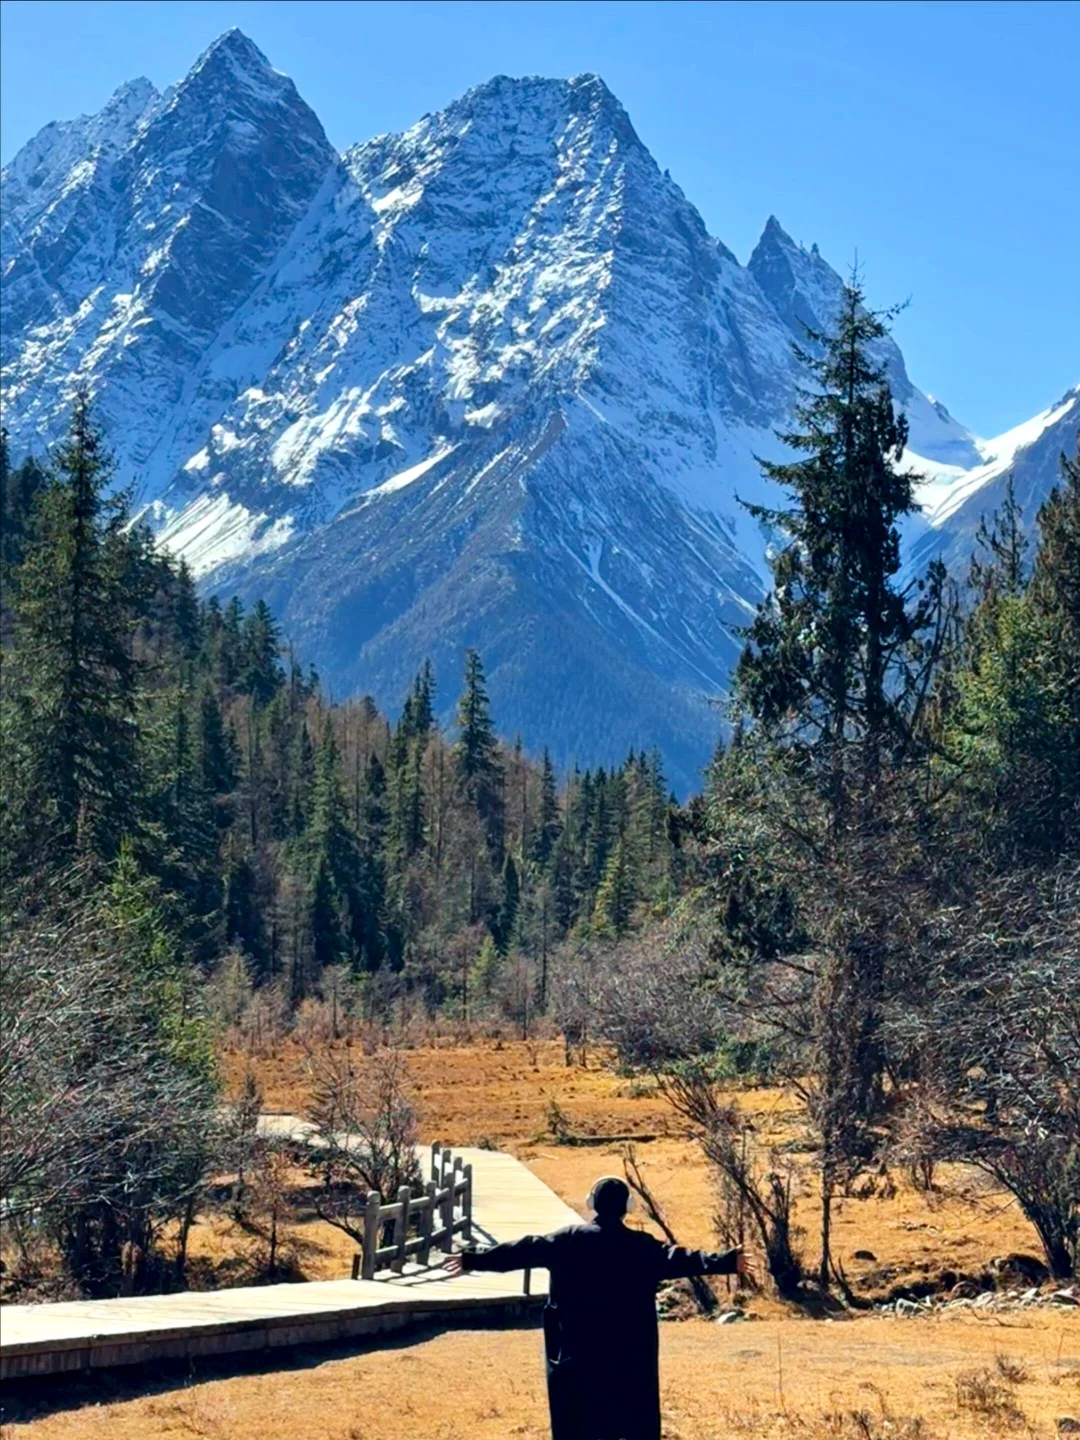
[(488, 381)]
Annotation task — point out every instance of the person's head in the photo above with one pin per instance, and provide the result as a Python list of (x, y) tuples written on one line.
[(609, 1198)]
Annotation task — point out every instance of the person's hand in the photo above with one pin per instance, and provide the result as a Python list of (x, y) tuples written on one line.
[(453, 1266), (743, 1270)]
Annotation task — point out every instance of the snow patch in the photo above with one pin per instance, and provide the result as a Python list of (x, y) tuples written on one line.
[(406, 477), (213, 530)]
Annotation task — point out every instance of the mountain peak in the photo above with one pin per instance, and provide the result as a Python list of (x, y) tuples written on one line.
[(513, 104), (236, 69), (775, 241), (233, 90), (138, 92), (233, 47)]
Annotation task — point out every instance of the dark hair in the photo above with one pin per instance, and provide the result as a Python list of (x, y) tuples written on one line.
[(610, 1198)]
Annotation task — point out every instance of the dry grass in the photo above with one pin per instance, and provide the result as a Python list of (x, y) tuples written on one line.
[(868, 1379), (503, 1093), (955, 1377)]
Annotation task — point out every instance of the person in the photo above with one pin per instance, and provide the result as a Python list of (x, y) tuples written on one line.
[(601, 1335)]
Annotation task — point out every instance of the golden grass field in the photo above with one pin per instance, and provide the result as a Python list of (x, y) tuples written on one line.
[(959, 1376)]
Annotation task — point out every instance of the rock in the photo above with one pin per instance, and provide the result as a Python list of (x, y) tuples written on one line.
[(1067, 1425), (728, 1317), (964, 1290), (1064, 1297), (864, 1255), (1020, 1267)]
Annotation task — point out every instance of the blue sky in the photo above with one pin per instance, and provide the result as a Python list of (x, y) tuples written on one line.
[(939, 140)]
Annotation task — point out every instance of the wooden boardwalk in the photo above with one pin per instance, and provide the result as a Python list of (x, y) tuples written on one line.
[(510, 1201)]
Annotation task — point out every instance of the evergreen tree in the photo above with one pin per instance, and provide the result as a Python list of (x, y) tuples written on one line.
[(261, 675), (19, 487), (72, 723), (549, 821), (1055, 597), (615, 896), (242, 914), (217, 751), (998, 564), (332, 864), (476, 753), (835, 661), (179, 840), (1013, 726), (835, 673), (230, 659), (423, 701), (371, 920)]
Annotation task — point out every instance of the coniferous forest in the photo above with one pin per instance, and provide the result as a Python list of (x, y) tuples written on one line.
[(877, 886)]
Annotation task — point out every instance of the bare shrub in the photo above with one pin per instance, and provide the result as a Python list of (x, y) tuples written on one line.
[(987, 1395), (1013, 1372), (654, 1001), (263, 1024), (109, 1125), (753, 1194), (998, 1036), (365, 1137), (269, 1209)]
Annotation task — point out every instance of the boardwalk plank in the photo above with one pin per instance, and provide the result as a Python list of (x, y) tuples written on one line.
[(509, 1201)]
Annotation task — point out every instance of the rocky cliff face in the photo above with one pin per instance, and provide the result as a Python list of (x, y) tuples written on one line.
[(486, 382)]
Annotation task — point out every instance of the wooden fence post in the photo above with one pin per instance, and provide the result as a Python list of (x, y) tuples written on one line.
[(447, 1207), (427, 1223), (467, 1202), (401, 1229), (435, 1149), (371, 1233)]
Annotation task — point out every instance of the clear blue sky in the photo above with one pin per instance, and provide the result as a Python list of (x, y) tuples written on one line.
[(940, 140)]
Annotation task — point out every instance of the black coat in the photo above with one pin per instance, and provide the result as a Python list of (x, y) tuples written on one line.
[(600, 1328)]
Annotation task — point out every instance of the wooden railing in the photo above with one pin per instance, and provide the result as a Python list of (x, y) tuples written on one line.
[(441, 1212)]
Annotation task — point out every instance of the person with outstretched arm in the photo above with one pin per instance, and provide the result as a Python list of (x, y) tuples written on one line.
[(600, 1327)]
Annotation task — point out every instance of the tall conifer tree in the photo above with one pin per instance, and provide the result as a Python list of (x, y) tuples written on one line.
[(477, 753), (73, 720), (835, 659)]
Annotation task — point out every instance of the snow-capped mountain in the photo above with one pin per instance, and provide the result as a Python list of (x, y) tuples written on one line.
[(486, 382)]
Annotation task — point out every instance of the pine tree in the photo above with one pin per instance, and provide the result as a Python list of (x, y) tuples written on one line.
[(1013, 726), (371, 920), (179, 838), (835, 661), (423, 701), (261, 675), (486, 967), (242, 914), (549, 821), (476, 753), (999, 562), (72, 723), (1055, 597), (835, 673), (333, 863), (19, 487), (217, 751), (615, 896), (230, 657)]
